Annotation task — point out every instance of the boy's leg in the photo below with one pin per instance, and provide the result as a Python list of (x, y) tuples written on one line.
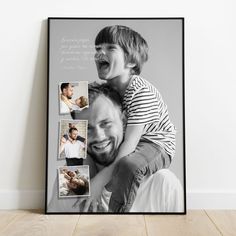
[(129, 173)]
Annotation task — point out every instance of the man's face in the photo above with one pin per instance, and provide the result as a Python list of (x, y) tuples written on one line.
[(110, 61), (73, 134), (105, 130), (68, 92)]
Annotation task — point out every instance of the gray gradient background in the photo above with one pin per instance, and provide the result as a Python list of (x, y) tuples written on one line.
[(163, 69)]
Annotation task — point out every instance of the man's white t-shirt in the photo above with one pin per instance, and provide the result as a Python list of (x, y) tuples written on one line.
[(64, 109), (73, 150)]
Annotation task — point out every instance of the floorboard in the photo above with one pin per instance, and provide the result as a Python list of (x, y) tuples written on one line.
[(195, 223), (225, 221), (7, 217), (111, 225), (36, 223)]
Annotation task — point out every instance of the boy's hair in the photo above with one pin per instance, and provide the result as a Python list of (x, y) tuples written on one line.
[(133, 44)]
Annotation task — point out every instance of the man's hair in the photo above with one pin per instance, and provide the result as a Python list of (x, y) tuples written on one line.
[(133, 44), (95, 90), (82, 189), (64, 86), (71, 129)]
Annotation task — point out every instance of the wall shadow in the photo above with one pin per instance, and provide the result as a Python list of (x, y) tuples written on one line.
[(33, 155)]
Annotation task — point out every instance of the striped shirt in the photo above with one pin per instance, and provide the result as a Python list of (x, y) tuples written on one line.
[(143, 104)]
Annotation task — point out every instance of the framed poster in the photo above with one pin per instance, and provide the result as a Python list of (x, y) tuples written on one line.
[(115, 128)]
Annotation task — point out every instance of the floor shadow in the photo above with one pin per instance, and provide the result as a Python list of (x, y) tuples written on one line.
[(33, 155)]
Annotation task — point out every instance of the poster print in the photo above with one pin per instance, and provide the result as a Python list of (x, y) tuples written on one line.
[(133, 69)]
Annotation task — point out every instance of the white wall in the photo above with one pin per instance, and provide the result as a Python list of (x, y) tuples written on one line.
[(210, 94)]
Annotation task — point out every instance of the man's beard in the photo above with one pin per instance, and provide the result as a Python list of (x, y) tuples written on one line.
[(73, 138), (104, 159)]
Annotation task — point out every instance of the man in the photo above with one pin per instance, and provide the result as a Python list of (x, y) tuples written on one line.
[(105, 134), (71, 125), (160, 192), (105, 123), (65, 99), (72, 148)]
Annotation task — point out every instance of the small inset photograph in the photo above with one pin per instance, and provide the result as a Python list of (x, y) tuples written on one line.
[(73, 141), (74, 181), (73, 96)]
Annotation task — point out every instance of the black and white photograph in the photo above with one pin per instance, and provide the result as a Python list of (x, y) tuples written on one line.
[(136, 93), (73, 96), (73, 141), (135, 118), (73, 181)]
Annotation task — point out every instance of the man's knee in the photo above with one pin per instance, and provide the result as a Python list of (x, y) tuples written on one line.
[(171, 186)]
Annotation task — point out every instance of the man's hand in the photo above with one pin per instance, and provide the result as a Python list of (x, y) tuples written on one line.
[(91, 203)]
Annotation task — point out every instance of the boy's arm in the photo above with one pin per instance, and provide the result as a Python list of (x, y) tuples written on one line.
[(133, 134), (132, 137)]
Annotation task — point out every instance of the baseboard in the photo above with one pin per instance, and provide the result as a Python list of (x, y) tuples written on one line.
[(22, 199), (34, 199), (211, 199)]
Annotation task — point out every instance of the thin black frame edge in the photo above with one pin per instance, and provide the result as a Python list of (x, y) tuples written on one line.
[(115, 18), (48, 63), (183, 96), (184, 126)]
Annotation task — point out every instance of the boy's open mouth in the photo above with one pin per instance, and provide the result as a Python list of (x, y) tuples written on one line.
[(103, 64)]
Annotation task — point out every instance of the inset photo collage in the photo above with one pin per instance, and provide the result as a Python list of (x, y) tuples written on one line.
[(73, 96), (73, 141), (74, 181)]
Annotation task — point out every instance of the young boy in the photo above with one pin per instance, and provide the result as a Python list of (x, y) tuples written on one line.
[(149, 140)]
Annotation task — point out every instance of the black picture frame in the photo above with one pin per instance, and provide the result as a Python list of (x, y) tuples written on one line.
[(66, 66)]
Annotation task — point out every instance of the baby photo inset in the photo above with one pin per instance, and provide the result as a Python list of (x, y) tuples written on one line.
[(73, 141), (74, 181), (73, 96)]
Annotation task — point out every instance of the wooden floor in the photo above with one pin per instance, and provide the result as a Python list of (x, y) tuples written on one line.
[(197, 223)]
